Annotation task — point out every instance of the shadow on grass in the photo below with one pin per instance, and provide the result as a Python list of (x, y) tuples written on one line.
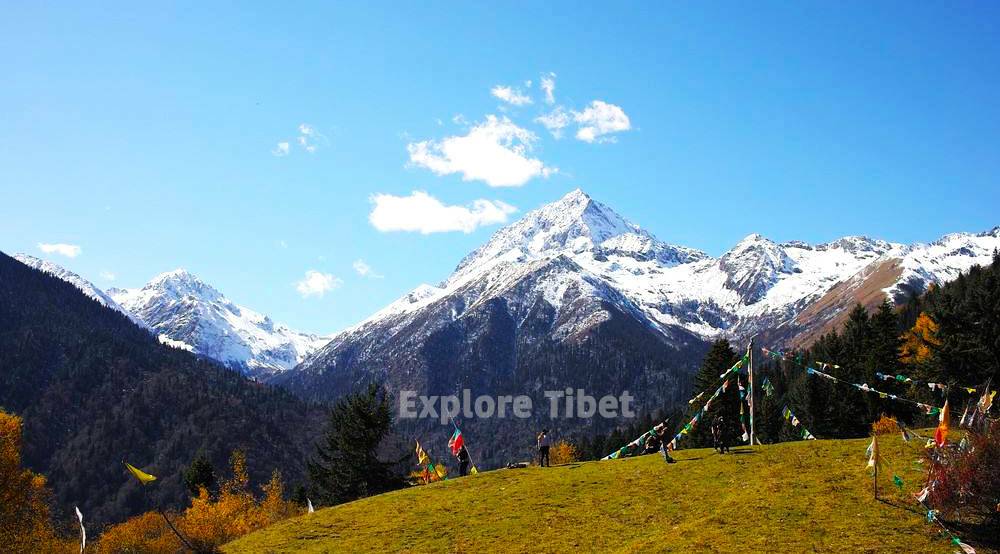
[(895, 504)]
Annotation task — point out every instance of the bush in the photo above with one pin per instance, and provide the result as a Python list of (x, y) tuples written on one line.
[(965, 481), (563, 453)]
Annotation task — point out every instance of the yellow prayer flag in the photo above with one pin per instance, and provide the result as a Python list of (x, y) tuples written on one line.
[(142, 476), (422, 457), (474, 471), (439, 469)]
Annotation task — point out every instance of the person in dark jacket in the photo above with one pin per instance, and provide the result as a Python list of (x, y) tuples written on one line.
[(543, 448), (463, 462)]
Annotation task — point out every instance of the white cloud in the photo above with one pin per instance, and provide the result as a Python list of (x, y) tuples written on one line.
[(422, 213), (317, 284), (555, 121), (600, 119), (548, 84), (108, 275), (510, 95), (362, 268), (495, 152), (281, 149), (459, 119), (68, 250)]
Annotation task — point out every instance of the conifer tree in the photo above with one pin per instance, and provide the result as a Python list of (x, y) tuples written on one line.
[(200, 474), (346, 465), (719, 358)]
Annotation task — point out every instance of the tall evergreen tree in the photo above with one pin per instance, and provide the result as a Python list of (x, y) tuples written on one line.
[(347, 464), (719, 358), (200, 474)]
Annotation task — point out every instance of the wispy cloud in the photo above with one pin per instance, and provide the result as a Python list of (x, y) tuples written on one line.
[(281, 149), (68, 250), (511, 95), (108, 275), (495, 152), (555, 121), (362, 268), (316, 283), (599, 120), (422, 213), (308, 138), (548, 85)]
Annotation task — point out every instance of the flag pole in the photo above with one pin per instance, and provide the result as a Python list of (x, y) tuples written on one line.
[(750, 371), (471, 463)]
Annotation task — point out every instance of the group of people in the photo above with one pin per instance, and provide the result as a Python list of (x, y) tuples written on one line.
[(655, 442)]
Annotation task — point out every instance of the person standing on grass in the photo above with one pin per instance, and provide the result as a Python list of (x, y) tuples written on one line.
[(664, 447), (543, 448), (463, 462)]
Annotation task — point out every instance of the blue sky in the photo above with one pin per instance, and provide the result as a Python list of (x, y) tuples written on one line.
[(148, 136)]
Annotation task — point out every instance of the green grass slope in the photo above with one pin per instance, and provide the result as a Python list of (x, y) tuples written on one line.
[(811, 496)]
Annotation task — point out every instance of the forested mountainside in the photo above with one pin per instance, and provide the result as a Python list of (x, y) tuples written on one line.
[(94, 389)]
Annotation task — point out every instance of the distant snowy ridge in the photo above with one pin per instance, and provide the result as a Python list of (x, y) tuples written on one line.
[(756, 286), (188, 313), (84, 285)]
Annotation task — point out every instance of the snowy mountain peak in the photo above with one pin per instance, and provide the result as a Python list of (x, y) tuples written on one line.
[(189, 313), (753, 266), (574, 224), (180, 283)]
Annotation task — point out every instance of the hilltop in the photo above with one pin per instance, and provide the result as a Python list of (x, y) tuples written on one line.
[(790, 497)]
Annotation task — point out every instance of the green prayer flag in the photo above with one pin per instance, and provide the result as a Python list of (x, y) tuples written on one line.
[(898, 482)]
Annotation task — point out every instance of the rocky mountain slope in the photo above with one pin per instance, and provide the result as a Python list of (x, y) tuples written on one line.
[(187, 313)]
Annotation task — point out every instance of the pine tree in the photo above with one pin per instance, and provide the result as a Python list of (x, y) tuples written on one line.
[(347, 465), (200, 474), (719, 358)]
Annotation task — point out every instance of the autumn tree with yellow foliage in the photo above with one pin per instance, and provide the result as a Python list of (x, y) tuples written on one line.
[(209, 522), (25, 523), (920, 341)]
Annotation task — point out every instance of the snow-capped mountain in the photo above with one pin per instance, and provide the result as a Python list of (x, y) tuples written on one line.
[(84, 285), (188, 313), (578, 252)]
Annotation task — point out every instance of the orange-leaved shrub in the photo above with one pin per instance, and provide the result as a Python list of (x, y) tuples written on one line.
[(563, 453), (209, 522)]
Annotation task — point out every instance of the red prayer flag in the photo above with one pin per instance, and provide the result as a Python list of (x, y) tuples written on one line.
[(456, 442)]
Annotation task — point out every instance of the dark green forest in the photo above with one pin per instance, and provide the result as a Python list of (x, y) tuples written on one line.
[(94, 389)]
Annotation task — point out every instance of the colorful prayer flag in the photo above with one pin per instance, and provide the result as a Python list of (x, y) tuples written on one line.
[(456, 442), (142, 476), (422, 457), (941, 434)]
